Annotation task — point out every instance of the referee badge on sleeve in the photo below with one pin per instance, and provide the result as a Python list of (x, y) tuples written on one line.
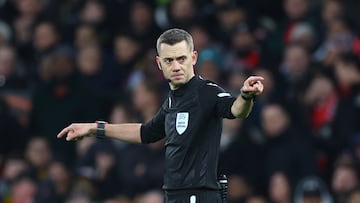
[(182, 120)]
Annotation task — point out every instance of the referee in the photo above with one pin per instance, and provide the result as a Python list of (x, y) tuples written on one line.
[(190, 119)]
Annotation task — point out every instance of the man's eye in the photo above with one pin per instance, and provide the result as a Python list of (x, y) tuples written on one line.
[(181, 59), (167, 61)]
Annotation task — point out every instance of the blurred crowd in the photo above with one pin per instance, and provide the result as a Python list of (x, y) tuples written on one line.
[(85, 60)]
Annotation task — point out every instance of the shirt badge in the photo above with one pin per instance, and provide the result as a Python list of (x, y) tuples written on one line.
[(182, 120)]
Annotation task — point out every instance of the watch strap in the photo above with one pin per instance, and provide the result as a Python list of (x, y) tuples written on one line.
[(100, 129)]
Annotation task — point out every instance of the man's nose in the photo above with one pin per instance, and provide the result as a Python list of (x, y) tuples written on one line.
[(176, 66)]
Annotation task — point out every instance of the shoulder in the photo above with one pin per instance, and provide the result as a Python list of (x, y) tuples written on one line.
[(211, 88)]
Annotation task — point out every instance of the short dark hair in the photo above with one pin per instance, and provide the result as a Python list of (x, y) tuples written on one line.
[(173, 36)]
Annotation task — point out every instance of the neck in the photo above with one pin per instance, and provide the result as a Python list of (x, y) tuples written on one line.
[(175, 87)]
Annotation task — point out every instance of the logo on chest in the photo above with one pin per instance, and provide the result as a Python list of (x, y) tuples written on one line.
[(182, 121)]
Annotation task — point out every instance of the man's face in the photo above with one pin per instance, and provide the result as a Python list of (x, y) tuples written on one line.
[(177, 63)]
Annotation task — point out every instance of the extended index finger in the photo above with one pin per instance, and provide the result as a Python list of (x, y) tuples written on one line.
[(63, 132)]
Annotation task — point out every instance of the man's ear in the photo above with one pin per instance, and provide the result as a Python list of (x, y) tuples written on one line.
[(194, 57), (158, 62)]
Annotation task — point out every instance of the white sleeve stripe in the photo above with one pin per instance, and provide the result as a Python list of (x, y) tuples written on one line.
[(212, 84), (223, 94)]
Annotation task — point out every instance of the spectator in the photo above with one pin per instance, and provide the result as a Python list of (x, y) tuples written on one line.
[(13, 167), (347, 73), (295, 73), (38, 154), (142, 23), (312, 189), (14, 87), (296, 11), (60, 177), (245, 54), (280, 190), (287, 148), (345, 179)]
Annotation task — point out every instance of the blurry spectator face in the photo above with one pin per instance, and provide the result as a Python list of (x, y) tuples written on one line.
[(7, 61), (23, 190), (143, 98), (60, 176), (279, 188), (45, 36), (312, 200), (238, 188), (344, 179), (89, 60), (182, 10), (29, 7), (152, 197), (126, 48), (141, 16), (354, 197), (296, 61), (85, 35), (63, 66), (119, 114), (22, 29), (296, 9), (104, 162), (93, 12), (320, 89), (255, 199), (337, 28), (80, 199), (269, 115), (209, 70), (243, 42), (346, 73), (13, 167), (83, 146), (332, 9), (200, 36), (231, 18), (38, 152)]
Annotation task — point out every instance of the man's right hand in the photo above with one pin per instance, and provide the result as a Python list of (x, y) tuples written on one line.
[(78, 131)]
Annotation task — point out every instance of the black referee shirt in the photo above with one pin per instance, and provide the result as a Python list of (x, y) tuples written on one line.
[(191, 120)]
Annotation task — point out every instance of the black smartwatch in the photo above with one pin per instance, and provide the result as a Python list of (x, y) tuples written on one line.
[(100, 129), (247, 96)]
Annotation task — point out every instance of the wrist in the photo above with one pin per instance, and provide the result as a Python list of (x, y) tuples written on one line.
[(100, 128), (246, 95)]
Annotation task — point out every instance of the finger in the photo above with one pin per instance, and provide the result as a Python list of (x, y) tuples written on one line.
[(63, 132), (258, 88), (72, 135), (254, 79)]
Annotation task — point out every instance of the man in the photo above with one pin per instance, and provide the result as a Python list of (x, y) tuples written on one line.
[(190, 119)]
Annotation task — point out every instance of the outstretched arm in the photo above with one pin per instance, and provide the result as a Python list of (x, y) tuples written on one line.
[(244, 102), (128, 132)]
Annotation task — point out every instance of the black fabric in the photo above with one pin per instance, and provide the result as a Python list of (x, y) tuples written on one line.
[(199, 196), (191, 119)]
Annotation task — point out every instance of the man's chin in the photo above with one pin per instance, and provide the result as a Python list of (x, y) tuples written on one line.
[(177, 83)]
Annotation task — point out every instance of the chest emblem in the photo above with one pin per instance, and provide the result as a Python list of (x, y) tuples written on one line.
[(182, 121)]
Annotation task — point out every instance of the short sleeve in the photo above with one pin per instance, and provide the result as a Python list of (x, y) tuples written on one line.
[(153, 130), (217, 98)]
